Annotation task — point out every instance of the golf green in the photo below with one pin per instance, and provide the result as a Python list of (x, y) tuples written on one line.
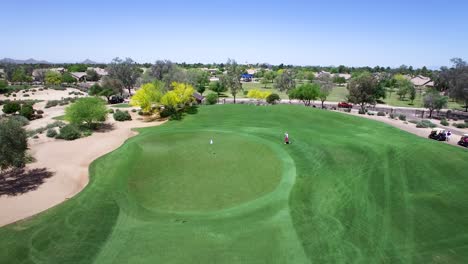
[(185, 172), (347, 190)]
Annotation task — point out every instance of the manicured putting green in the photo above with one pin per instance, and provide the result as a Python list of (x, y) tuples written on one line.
[(185, 172), (347, 190)]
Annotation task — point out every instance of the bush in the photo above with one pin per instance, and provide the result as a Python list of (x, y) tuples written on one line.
[(272, 98), (27, 111), (87, 111), (134, 110), (20, 119), (348, 110), (39, 112), (402, 117), (111, 111), (56, 124), (11, 107), (460, 125), (51, 132), (69, 132), (25, 95), (51, 103), (13, 144), (425, 124), (37, 116), (444, 122), (40, 130), (122, 116), (361, 112), (166, 112), (380, 113), (211, 99), (392, 115)]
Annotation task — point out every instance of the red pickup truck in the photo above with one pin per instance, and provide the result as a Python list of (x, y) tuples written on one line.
[(345, 105)]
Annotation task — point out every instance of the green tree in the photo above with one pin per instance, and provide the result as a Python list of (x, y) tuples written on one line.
[(339, 80), (264, 82), (432, 100), (87, 111), (273, 98), (27, 111), (231, 80), (404, 86), (285, 81), (53, 78), (306, 93), (13, 144), (363, 89), (92, 75), (325, 81), (113, 84), (77, 67), (98, 90), (3, 86), (68, 78), (270, 76), (310, 76), (412, 93), (148, 95), (126, 71), (211, 98), (19, 75), (217, 87), (457, 78)]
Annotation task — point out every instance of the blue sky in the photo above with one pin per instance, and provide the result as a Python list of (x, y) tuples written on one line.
[(354, 33)]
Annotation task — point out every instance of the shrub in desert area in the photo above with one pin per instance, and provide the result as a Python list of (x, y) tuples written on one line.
[(402, 117), (13, 144), (27, 111), (425, 124), (11, 107), (381, 113), (51, 132), (460, 125), (122, 115), (69, 132), (444, 122)]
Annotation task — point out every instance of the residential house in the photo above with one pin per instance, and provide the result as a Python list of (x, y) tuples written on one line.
[(79, 76), (2, 74), (422, 81), (100, 71)]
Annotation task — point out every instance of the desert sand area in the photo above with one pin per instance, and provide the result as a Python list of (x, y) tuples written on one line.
[(68, 160)]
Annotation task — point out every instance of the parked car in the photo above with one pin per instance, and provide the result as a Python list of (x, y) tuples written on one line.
[(438, 134), (463, 141), (345, 105)]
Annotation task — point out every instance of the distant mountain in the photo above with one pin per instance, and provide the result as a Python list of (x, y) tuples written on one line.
[(88, 61), (28, 61)]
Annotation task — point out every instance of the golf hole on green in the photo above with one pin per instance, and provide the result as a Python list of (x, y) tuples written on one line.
[(184, 172)]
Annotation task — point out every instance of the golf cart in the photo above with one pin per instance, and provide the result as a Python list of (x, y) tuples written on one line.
[(438, 134), (463, 141)]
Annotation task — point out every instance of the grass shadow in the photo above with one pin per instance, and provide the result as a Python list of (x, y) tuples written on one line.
[(18, 181)]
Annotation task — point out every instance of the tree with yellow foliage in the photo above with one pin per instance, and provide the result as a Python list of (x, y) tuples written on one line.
[(257, 94), (147, 95), (181, 95)]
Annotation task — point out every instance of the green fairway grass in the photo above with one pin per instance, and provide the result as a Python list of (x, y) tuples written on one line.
[(347, 190)]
